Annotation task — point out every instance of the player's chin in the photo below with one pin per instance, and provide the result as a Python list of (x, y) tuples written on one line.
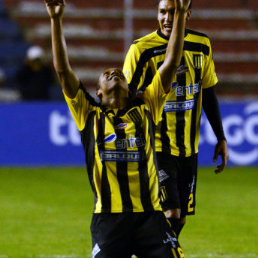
[(167, 31)]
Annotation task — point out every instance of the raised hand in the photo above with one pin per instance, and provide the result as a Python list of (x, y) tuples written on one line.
[(182, 5), (55, 8)]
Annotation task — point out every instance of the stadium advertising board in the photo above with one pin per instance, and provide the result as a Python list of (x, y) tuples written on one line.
[(44, 134)]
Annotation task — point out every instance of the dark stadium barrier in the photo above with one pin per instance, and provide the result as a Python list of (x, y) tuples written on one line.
[(44, 134)]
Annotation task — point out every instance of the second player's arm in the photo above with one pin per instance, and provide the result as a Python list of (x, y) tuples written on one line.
[(211, 108), (175, 46)]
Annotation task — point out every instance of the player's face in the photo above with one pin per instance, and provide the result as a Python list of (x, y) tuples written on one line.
[(113, 88), (166, 15)]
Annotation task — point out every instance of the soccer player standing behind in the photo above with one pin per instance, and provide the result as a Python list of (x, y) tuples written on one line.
[(118, 139), (177, 135)]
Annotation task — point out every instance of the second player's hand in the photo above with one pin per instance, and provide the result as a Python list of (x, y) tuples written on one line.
[(222, 150), (182, 5), (55, 8)]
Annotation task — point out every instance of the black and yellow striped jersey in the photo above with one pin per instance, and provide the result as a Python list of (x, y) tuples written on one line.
[(119, 149), (178, 132)]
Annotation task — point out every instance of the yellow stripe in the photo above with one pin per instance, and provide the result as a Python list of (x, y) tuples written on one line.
[(174, 252)]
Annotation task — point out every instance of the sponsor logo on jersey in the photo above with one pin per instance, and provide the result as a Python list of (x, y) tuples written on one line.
[(160, 51), (122, 156), (186, 90), (110, 138), (179, 106), (132, 142), (121, 126)]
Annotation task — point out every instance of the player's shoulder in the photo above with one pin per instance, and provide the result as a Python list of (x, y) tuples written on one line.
[(148, 41), (197, 36)]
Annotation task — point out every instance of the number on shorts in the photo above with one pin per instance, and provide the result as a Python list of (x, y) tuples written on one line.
[(190, 208)]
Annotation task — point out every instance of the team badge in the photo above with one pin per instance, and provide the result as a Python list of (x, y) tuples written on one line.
[(198, 61), (135, 116)]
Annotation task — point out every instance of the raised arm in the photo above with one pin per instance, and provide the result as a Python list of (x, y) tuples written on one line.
[(68, 79), (175, 44)]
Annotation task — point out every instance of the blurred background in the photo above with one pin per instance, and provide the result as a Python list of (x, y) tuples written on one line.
[(36, 123)]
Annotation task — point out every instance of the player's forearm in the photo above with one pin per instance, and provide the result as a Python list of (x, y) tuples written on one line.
[(61, 61), (176, 40), (66, 75), (174, 50)]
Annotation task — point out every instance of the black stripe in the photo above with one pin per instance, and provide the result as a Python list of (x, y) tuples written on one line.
[(91, 100), (105, 187), (196, 47), (134, 102), (147, 80), (121, 168), (163, 134), (88, 142), (187, 31), (143, 172), (152, 129), (194, 111), (196, 33), (145, 56), (180, 116), (162, 35), (164, 128)]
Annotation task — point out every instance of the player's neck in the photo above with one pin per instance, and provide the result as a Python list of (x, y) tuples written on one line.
[(116, 103)]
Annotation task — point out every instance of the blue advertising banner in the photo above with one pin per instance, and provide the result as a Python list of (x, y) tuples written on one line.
[(44, 134), (39, 134)]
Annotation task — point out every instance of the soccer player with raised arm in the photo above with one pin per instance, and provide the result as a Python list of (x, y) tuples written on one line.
[(118, 139), (177, 135)]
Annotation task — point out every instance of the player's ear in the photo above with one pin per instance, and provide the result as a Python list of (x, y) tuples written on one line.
[(188, 15), (99, 94)]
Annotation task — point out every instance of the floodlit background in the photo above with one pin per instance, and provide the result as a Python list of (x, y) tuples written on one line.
[(42, 210)]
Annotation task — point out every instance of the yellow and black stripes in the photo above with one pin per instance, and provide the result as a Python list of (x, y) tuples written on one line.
[(121, 168), (144, 58), (178, 133), (180, 115), (119, 152)]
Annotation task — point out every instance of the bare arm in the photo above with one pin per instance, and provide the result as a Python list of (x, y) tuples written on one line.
[(67, 77), (175, 44)]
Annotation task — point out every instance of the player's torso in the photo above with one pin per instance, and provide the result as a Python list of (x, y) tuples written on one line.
[(178, 132), (124, 165)]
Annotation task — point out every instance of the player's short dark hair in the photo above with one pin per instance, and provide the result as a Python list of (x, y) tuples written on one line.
[(190, 6)]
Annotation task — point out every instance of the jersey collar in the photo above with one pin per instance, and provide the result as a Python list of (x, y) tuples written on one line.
[(165, 37)]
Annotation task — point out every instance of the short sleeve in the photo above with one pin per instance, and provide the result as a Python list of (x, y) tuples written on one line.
[(209, 78), (79, 107), (155, 98)]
